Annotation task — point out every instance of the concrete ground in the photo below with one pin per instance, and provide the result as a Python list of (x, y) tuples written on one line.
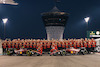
[(50, 61)]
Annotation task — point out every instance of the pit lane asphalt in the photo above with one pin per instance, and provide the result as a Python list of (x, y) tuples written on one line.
[(50, 61)]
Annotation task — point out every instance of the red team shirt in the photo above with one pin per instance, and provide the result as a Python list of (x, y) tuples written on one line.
[(44, 45), (4, 45), (74, 45), (63, 45), (48, 45), (66, 45), (78, 44), (9, 46)]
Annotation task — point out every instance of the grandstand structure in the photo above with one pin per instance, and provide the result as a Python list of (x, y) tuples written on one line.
[(55, 22)]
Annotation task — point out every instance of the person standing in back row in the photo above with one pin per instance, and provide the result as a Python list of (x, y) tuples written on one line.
[(4, 48)]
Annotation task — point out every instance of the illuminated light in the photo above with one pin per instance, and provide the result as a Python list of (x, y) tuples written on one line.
[(87, 19), (97, 32), (11, 2), (5, 20)]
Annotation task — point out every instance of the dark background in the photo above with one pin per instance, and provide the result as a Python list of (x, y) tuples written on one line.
[(25, 19)]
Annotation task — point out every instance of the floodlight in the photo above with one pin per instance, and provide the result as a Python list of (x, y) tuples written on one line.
[(5, 20), (11, 2), (87, 19)]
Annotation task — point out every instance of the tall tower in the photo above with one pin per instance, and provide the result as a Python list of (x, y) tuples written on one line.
[(55, 22)]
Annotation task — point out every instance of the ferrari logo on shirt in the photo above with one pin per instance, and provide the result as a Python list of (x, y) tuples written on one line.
[(92, 33)]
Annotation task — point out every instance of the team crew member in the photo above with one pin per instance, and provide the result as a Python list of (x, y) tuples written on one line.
[(20, 45), (39, 49), (48, 46), (4, 48), (81, 44), (89, 46), (31, 46), (27, 45), (13, 45), (34, 45), (16, 46), (63, 45), (53, 48), (59, 45), (93, 45), (74, 45), (66, 45), (85, 44), (70, 44), (9, 45), (24, 45), (55, 45), (37, 45), (78, 44), (41, 44), (44, 46)]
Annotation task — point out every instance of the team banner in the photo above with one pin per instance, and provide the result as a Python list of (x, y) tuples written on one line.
[(93, 34)]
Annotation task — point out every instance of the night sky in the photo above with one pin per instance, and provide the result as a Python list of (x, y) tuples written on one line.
[(25, 19)]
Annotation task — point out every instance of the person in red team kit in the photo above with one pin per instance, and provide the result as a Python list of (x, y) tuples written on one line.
[(44, 46), (70, 44), (85, 44), (53, 48), (9, 45), (16, 46), (48, 46), (24, 45), (93, 45), (66, 45), (81, 45), (27, 45), (74, 45), (4, 48), (39, 50), (78, 44), (13, 45), (59, 45), (56, 46), (38, 44), (31, 46), (20, 45), (89, 46), (34, 45), (63, 45)]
